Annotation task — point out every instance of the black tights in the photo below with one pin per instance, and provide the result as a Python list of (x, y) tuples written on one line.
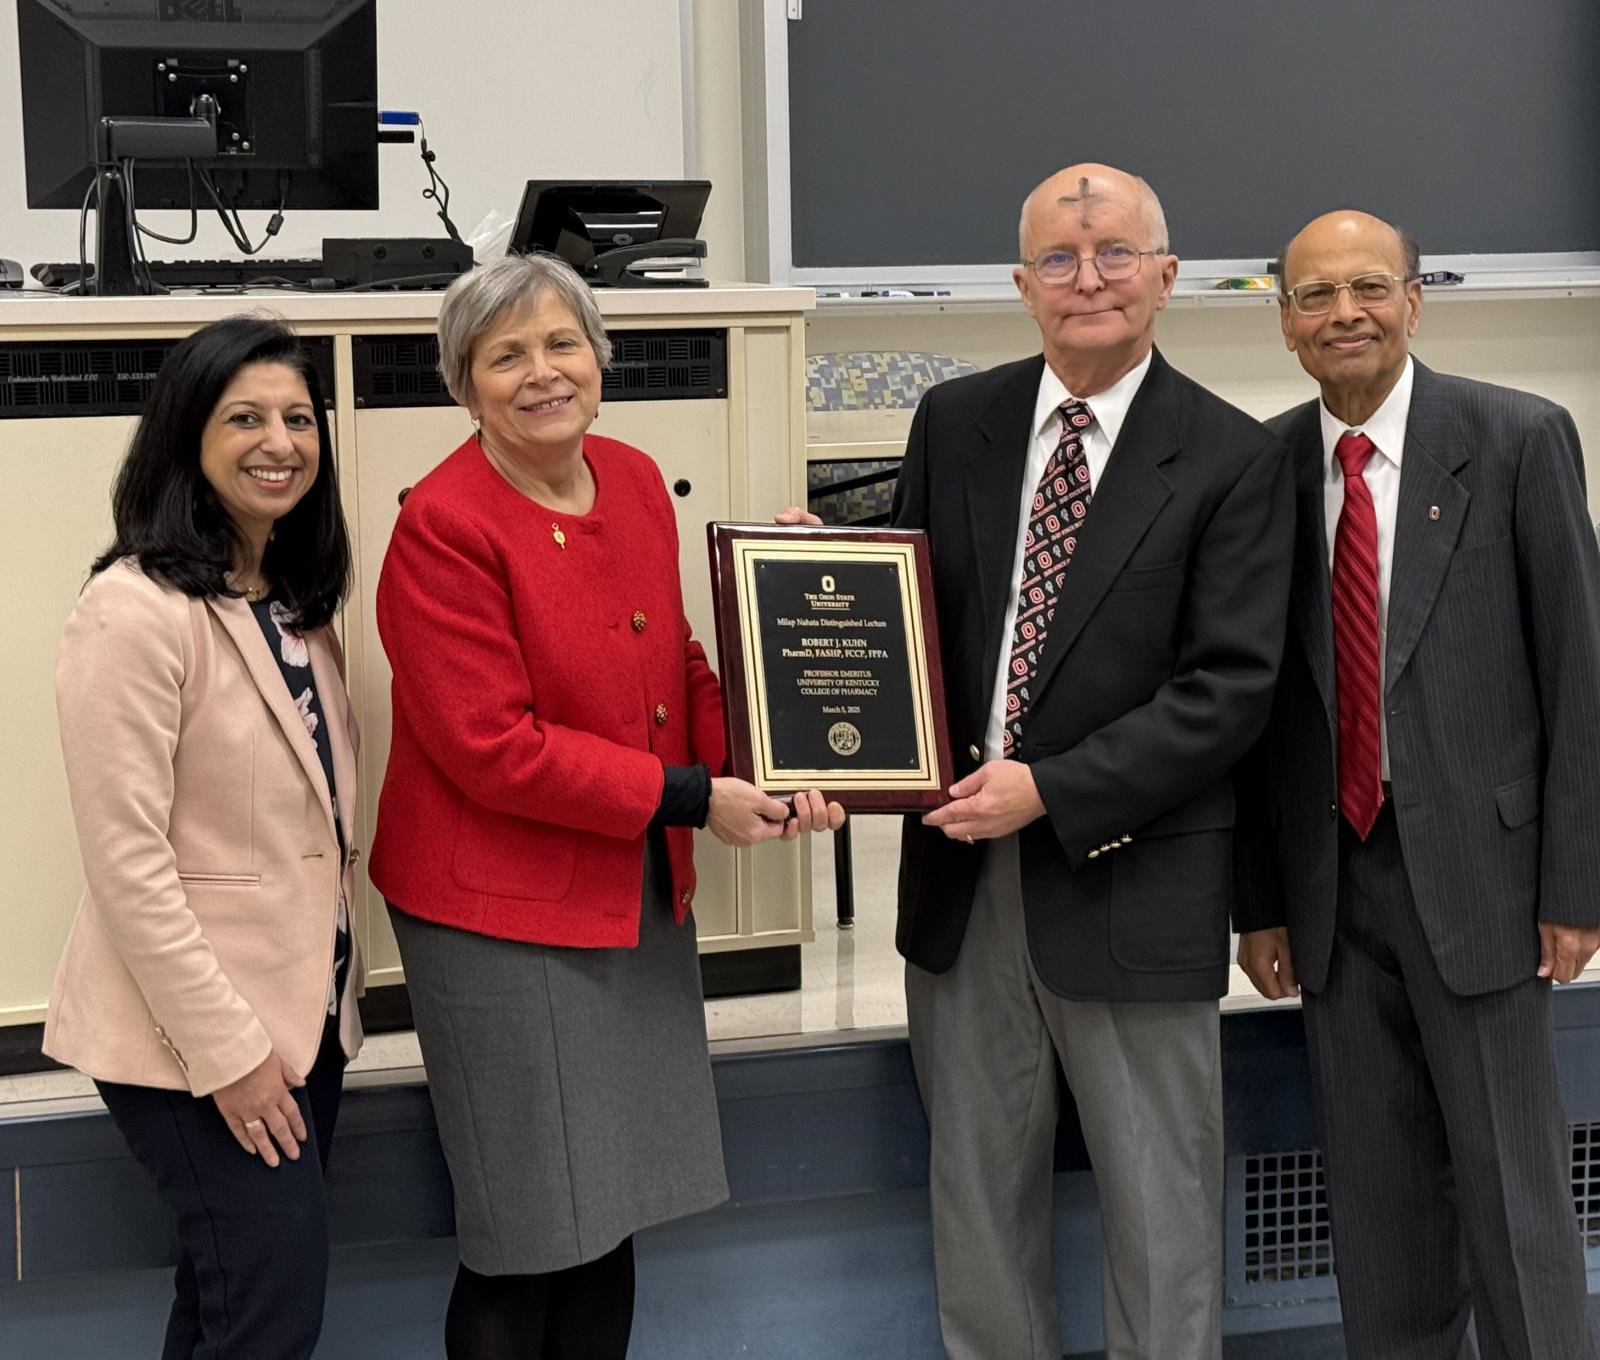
[(582, 1313)]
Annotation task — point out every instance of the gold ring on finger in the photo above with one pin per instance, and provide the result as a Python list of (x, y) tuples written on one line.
[(254, 1124), (968, 839)]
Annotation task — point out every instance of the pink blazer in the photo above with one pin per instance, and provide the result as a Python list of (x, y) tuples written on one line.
[(204, 939)]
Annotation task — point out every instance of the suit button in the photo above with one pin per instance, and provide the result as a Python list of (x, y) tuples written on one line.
[(1094, 854), (975, 753), (354, 857), (661, 715), (1127, 840), (638, 620), (1333, 812)]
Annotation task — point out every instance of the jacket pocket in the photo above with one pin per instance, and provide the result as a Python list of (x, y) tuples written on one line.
[(1169, 902), (1171, 886), (1473, 556), (221, 880), (508, 856), (1518, 801), (1151, 578)]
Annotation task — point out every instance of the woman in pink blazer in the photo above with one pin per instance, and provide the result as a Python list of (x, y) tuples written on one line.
[(209, 982)]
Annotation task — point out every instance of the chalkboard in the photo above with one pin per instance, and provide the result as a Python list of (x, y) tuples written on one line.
[(915, 127)]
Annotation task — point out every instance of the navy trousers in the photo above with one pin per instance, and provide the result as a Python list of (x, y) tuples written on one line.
[(254, 1239)]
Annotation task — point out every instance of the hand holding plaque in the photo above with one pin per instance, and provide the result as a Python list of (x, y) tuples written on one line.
[(829, 656)]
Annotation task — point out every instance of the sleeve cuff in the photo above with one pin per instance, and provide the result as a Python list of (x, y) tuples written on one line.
[(685, 796)]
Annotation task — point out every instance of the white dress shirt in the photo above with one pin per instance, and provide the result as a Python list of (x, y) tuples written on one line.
[(1387, 430), (1110, 410)]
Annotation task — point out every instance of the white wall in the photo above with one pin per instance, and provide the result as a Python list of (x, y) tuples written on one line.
[(511, 90), (717, 126)]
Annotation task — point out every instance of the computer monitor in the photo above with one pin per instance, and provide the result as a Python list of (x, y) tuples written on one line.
[(603, 228), (290, 87)]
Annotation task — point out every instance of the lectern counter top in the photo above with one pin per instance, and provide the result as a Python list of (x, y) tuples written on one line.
[(35, 309)]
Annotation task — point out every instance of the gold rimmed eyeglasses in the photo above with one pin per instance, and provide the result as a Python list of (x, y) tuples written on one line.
[(1316, 297)]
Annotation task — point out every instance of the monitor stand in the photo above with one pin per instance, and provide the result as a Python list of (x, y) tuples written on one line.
[(114, 274), (615, 268), (116, 245)]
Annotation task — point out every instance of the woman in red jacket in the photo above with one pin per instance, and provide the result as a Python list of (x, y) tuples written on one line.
[(556, 734)]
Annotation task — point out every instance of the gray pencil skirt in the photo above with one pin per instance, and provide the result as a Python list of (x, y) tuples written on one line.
[(572, 1087)]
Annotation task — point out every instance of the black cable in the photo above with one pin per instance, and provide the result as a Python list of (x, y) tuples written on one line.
[(378, 285), (235, 227), (216, 200), (135, 246), (194, 212), (141, 265), (82, 285), (438, 191), (275, 282)]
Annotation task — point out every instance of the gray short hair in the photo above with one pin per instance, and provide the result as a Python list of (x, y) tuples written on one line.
[(476, 300)]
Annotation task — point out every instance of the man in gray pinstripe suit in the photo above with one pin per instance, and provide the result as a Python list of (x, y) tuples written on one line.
[(1420, 848)]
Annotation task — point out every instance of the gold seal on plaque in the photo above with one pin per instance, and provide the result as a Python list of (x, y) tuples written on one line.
[(845, 739)]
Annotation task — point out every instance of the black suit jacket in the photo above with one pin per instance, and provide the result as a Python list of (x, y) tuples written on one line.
[(1492, 693), (1156, 677)]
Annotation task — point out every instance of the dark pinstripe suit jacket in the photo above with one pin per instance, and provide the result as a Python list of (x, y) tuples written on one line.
[(1492, 699)]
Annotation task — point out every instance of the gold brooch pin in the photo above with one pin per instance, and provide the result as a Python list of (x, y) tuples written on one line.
[(560, 538)]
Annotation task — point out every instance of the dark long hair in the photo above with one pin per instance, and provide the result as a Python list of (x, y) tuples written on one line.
[(166, 514)]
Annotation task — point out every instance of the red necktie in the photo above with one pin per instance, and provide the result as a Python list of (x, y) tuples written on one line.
[(1355, 639), (1055, 518)]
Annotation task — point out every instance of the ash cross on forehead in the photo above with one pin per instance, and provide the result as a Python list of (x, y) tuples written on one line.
[(1085, 196)]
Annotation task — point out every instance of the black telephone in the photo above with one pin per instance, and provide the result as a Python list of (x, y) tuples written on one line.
[(10, 274)]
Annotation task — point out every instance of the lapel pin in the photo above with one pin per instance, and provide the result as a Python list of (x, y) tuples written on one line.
[(1433, 512)]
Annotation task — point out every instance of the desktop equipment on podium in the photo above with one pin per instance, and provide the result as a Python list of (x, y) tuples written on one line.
[(230, 106), (617, 233), (371, 264), (381, 262)]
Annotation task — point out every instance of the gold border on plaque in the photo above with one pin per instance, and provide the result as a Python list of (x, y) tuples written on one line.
[(747, 552)]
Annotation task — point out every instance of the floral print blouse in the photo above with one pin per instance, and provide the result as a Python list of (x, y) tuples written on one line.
[(289, 650)]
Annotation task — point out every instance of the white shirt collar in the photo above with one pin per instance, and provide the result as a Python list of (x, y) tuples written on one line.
[(1386, 428), (1110, 407)]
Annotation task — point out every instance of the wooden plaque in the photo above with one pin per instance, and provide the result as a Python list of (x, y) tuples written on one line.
[(829, 656)]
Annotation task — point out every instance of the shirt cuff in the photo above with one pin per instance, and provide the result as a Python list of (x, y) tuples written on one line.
[(685, 796)]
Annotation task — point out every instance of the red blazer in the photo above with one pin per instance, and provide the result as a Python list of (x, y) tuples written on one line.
[(539, 688)]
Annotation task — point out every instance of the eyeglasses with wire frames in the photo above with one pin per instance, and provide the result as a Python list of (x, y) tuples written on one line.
[(1318, 297), (1115, 261)]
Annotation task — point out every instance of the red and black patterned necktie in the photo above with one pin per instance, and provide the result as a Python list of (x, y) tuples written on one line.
[(1355, 639), (1054, 520)]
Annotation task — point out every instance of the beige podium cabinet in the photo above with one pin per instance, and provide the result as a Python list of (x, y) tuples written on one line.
[(709, 382)]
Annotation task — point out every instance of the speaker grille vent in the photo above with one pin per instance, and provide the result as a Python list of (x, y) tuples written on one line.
[(403, 370)]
